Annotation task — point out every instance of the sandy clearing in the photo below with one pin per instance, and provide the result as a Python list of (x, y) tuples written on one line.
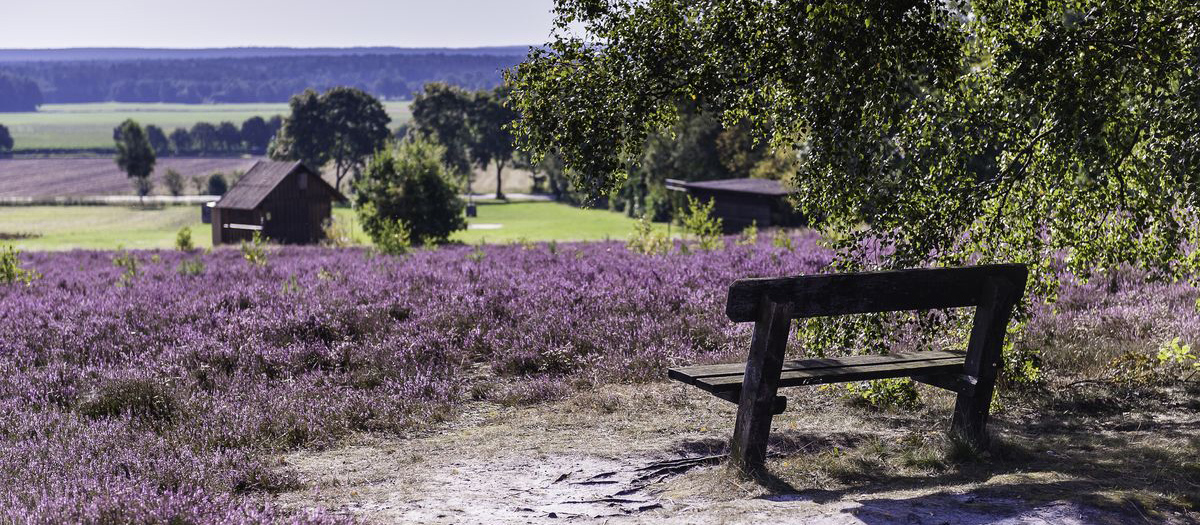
[(619, 455)]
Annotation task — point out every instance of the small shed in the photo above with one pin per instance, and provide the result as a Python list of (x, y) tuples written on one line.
[(740, 202), (286, 201)]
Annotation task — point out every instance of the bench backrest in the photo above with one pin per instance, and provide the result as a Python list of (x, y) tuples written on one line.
[(868, 292)]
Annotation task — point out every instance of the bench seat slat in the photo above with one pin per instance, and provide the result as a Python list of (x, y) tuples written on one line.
[(700, 371), (728, 377)]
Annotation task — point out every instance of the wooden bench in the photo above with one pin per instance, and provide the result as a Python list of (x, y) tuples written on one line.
[(773, 303)]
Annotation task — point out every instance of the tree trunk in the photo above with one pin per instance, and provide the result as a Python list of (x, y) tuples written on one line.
[(499, 181), (339, 172)]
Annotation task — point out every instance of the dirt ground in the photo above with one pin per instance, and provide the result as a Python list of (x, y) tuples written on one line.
[(652, 453)]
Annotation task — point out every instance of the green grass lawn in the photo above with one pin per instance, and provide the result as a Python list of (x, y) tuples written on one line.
[(108, 227), (101, 227), (90, 125), (499, 222)]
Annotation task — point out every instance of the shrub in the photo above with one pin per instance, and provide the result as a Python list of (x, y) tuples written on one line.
[(646, 240), (183, 240), (337, 234), (174, 182), (408, 184), (749, 236), (128, 263), (11, 271), (254, 251), (217, 184), (701, 225), (191, 267), (782, 240), (394, 237)]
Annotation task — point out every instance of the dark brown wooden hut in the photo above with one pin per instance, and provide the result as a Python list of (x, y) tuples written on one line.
[(286, 201), (740, 202)]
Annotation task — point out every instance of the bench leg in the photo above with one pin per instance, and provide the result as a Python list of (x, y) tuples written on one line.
[(756, 406), (983, 362)]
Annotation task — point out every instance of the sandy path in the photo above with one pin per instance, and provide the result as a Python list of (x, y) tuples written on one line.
[(622, 456)]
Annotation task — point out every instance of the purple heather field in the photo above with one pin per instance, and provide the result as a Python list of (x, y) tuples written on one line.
[(163, 397)]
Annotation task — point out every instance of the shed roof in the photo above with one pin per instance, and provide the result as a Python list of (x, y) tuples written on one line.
[(754, 186), (256, 184)]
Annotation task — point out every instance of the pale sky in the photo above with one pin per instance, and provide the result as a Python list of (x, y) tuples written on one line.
[(290, 23)]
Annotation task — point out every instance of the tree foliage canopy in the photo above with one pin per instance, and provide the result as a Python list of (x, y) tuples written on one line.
[(439, 113), (343, 125), (409, 185), (6, 140), (135, 156), (956, 132)]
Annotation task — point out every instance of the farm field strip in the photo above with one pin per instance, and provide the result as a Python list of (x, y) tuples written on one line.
[(58, 126), (48, 178)]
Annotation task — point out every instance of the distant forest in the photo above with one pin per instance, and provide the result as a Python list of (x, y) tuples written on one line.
[(18, 94), (248, 79)]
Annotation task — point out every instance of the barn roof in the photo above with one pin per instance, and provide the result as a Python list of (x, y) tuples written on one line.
[(754, 186), (256, 184)]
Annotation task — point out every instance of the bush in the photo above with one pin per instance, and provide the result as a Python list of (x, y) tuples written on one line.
[(701, 225), (10, 268), (646, 240), (394, 237), (254, 252), (174, 182), (408, 184), (128, 263), (183, 240), (217, 184)]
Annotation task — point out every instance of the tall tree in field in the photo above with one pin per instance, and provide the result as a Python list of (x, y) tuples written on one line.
[(358, 125), (181, 141), (1031, 132), (229, 136), (6, 141), (135, 156), (204, 137), (257, 133), (439, 113), (491, 140), (304, 136), (158, 140), (342, 125)]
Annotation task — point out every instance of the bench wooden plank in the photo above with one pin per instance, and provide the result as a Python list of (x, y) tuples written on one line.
[(867, 292), (689, 374), (818, 376)]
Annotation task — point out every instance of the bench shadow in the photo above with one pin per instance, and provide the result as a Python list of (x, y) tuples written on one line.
[(982, 507), (1133, 460)]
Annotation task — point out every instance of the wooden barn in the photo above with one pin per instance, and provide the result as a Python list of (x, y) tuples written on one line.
[(286, 201), (740, 202)]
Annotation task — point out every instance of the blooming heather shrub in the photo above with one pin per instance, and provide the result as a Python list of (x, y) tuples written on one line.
[(1092, 324), (163, 400)]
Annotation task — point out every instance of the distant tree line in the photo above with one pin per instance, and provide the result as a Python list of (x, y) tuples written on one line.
[(18, 94), (258, 79), (204, 138)]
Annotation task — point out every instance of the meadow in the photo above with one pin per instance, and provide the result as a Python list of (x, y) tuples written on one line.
[(160, 386), (71, 126), (110, 227)]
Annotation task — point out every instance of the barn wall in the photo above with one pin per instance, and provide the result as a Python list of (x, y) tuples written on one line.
[(233, 235), (297, 211), (738, 210)]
